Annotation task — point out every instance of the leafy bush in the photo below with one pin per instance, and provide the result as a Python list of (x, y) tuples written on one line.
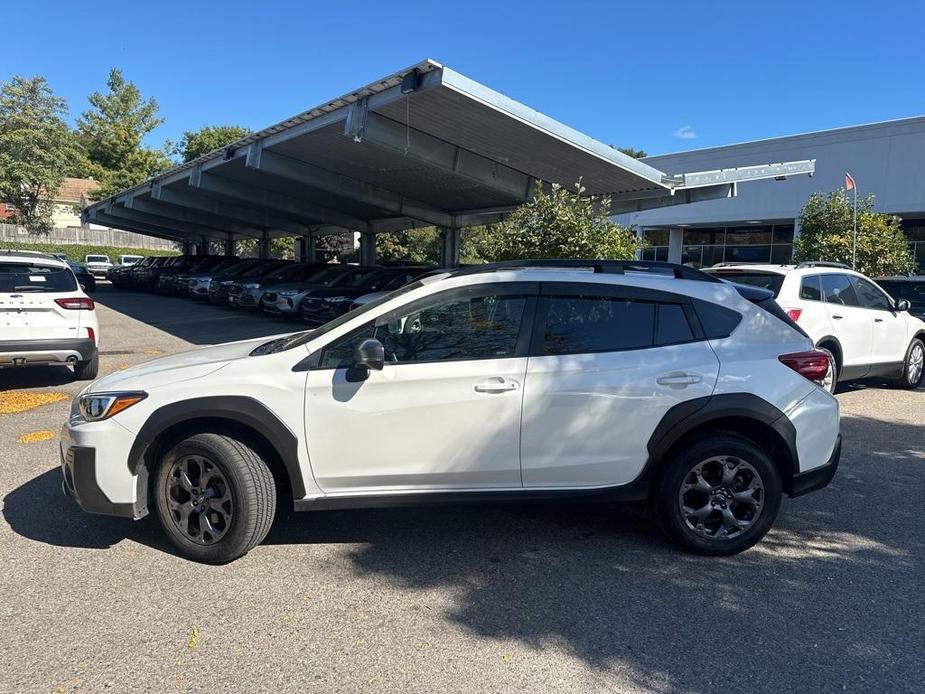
[(78, 251)]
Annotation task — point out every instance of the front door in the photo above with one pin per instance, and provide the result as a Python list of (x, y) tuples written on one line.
[(443, 413), (889, 342), (852, 325)]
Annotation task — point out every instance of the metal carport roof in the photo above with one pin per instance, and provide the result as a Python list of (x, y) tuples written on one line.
[(423, 146)]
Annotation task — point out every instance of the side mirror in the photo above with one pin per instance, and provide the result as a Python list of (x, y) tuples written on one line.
[(903, 305), (370, 354)]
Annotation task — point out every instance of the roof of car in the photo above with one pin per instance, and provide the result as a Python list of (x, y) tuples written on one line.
[(815, 267), (18, 256)]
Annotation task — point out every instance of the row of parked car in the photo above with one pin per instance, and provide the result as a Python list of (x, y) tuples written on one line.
[(311, 292)]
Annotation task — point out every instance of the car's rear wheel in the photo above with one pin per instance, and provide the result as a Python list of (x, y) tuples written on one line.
[(215, 497), (87, 370), (830, 382), (718, 496), (913, 366)]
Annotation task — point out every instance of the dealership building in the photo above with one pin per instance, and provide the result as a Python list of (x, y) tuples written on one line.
[(761, 222)]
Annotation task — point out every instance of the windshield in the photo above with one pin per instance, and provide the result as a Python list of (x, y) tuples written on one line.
[(913, 292), (22, 277), (97, 259), (131, 258), (303, 337), (755, 278), (328, 274)]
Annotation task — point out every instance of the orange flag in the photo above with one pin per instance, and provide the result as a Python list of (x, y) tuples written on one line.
[(849, 181)]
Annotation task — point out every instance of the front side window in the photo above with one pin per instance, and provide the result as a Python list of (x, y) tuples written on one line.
[(452, 329), (869, 295), (837, 289)]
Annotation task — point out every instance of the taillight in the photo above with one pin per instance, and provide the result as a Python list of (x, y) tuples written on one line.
[(812, 365), (91, 334), (794, 313), (77, 303)]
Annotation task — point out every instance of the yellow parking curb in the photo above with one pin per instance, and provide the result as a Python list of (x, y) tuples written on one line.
[(12, 401), (36, 436)]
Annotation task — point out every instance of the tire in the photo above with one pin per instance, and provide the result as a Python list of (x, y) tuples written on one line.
[(913, 366), (235, 507), (708, 455), (831, 378), (87, 370)]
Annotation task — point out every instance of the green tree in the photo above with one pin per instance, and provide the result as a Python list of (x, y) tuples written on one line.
[(561, 224), (37, 149), (414, 245), (634, 153), (826, 234), (207, 139), (112, 132)]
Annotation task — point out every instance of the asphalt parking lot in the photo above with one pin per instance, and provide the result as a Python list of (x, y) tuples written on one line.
[(475, 599)]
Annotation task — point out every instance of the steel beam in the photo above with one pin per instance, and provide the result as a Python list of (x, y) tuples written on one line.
[(187, 216), (681, 197), (354, 189), (740, 174), (232, 214), (166, 223), (433, 152), (278, 204), (157, 231)]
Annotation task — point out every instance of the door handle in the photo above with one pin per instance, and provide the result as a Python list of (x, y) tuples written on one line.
[(678, 379), (878, 320), (496, 384), (837, 317)]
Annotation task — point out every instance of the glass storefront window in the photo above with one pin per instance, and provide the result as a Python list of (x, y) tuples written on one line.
[(656, 237), (748, 254), (783, 233), (753, 235), (704, 237), (782, 253)]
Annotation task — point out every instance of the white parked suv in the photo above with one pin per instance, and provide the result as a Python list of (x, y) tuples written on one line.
[(98, 265), (598, 380), (45, 318), (867, 332)]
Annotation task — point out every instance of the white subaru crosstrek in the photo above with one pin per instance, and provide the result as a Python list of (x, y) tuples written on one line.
[(45, 318), (598, 380), (864, 330)]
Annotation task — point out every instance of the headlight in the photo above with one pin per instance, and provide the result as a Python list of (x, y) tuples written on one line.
[(98, 406), (338, 299), (290, 292), (251, 285)]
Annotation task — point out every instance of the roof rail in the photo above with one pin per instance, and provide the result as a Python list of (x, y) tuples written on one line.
[(823, 263), (612, 267), (34, 254)]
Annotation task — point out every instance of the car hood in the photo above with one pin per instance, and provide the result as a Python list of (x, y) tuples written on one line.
[(179, 367)]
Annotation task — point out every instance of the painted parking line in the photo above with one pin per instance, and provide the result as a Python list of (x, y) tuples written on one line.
[(13, 401), (36, 436)]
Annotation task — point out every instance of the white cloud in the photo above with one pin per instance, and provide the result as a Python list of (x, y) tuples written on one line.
[(686, 133)]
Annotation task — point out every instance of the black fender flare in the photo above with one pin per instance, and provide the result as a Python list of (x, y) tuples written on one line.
[(240, 409), (684, 417), (832, 338)]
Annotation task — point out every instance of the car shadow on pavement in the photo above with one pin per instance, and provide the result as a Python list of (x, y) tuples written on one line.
[(35, 377), (197, 322), (831, 599)]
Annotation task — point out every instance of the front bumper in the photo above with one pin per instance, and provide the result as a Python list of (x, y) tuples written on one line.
[(817, 478), (78, 468), (37, 352)]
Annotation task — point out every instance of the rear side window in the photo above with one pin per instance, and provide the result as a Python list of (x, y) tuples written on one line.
[(717, 321), (837, 289), (810, 288), (588, 324), (22, 277)]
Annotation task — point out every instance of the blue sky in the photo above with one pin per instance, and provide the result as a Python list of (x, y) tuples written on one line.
[(659, 76)]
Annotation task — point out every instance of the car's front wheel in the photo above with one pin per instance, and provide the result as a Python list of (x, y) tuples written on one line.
[(913, 366), (718, 496), (215, 497)]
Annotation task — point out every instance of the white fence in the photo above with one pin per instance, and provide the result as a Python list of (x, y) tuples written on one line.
[(91, 237)]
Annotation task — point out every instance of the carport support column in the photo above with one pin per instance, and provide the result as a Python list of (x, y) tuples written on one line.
[(187, 248), (368, 247), (202, 248), (307, 249), (263, 247), (449, 246), (229, 244), (675, 236)]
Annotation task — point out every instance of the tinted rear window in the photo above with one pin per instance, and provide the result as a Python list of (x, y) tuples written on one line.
[(16, 277), (576, 325), (766, 280)]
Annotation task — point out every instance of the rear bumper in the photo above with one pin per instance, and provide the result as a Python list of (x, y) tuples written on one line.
[(819, 477), (33, 352)]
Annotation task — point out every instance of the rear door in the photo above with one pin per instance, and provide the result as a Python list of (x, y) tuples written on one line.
[(851, 324), (606, 365), (28, 310)]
